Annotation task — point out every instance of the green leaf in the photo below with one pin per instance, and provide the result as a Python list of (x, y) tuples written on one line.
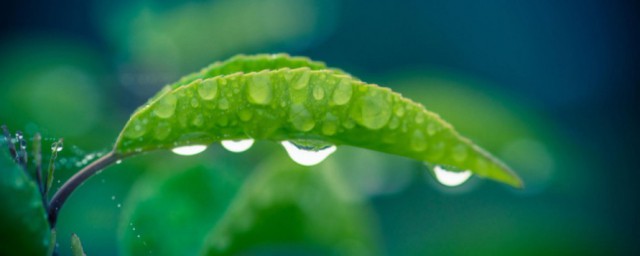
[(300, 103), (76, 246), (169, 212), (285, 208), (25, 230)]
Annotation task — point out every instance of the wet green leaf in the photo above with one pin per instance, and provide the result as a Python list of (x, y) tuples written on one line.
[(25, 230), (169, 212), (76, 246), (285, 208), (300, 103)]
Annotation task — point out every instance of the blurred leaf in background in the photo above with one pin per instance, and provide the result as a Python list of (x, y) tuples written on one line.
[(25, 229), (288, 209), (170, 209), (159, 42)]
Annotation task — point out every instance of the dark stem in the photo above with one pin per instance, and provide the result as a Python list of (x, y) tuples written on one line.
[(76, 180)]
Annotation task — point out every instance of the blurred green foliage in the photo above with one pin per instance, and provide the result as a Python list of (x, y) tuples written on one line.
[(533, 82), (25, 229)]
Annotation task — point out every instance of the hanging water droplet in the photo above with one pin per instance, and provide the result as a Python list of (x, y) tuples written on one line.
[(450, 178), (57, 146), (237, 146), (119, 162), (308, 153), (189, 150)]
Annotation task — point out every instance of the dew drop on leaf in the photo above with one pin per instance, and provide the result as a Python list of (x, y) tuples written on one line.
[(260, 89), (301, 119), (450, 178), (418, 141), (318, 92), (307, 156), (189, 150), (166, 106), (237, 146), (342, 93), (208, 89)]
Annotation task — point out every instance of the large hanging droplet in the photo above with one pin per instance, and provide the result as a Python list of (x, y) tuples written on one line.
[(237, 146), (189, 150), (307, 155), (450, 178)]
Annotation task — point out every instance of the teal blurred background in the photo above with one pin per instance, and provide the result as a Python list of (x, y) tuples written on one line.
[(549, 87)]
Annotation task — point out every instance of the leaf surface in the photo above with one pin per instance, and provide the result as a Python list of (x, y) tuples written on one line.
[(300, 103)]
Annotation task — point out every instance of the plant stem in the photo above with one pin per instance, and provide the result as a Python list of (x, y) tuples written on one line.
[(76, 180)]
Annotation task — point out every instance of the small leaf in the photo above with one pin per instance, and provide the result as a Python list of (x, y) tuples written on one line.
[(230, 101), (169, 212), (285, 206), (25, 230), (76, 246)]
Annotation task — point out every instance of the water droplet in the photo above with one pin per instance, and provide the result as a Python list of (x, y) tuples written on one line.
[(260, 89), (372, 110), (318, 92), (418, 141), (113, 197), (307, 156), (298, 91), (162, 130), (329, 125), (301, 119), (208, 89), (342, 93), (166, 106), (57, 146), (119, 205), (237, 146), (399, 110), (302, 81), (432, 128), (198, 121), (133, 228), (189, 150), (194, 103), (223, 104), (138, 236), (450, 178), (245, 114)]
